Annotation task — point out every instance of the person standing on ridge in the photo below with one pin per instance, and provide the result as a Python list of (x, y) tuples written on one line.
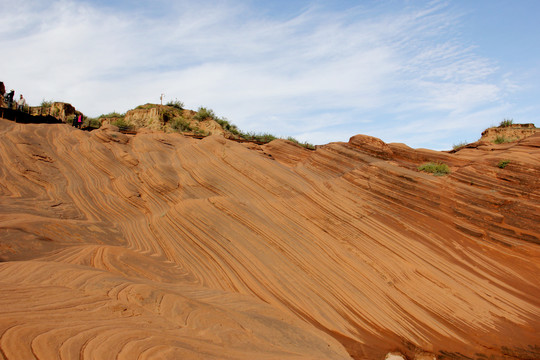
[(9, 98), (2, 93), (21, 103)]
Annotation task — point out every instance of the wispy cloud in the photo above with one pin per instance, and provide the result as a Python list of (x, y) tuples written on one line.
[(317, 74)]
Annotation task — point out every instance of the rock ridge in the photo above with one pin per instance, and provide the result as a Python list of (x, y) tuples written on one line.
[(157, 245)]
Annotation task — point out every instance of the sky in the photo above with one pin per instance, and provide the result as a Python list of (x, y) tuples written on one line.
[(430, 74)]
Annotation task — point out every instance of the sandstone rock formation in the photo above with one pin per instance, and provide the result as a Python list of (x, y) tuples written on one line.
[(169, 119), (60, 110), (512, 132), (162, 246)]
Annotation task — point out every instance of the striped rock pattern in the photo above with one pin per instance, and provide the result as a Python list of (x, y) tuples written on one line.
[(161, 246)]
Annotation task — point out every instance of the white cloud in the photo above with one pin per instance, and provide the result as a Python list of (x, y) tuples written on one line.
[(302, 75)]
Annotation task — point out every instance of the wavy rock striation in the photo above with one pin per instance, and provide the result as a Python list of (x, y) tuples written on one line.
[(162, 246)]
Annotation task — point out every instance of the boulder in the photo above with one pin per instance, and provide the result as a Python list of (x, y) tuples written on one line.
[(371, 146)]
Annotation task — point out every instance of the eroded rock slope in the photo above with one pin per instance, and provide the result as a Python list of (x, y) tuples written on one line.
[(162, 246)]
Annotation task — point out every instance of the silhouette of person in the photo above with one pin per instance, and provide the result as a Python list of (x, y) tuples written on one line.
[(9, 98), (2, 93)]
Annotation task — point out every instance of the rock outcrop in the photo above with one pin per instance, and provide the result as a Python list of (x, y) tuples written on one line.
[(158, 245), (512, 132), (59, 110), (150, 118), (169, 119)]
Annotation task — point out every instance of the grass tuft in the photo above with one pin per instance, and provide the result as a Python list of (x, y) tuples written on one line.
[(180, 124), (46, 104), (260, 137), (122, 124), (226, 125), (506, 123), (501, 139), (204, 113), (304, 144), (176, 104), (93, 123), (113, 114), (437, 169), (459, 145), (503, 163)]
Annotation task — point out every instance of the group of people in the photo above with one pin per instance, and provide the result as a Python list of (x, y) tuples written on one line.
[(8, 98), (77, 121)]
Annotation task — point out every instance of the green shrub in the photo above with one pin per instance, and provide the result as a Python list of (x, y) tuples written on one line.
[(501, 139), (168, 114), (198, 131), (260, 137), (503, 163), (122, 124), (265, 137), (506, 123), (94, 123), (435, 168), (459, 145), (46, 104), (180, 124), (204, 113), (113, 114), (147, 106), (226, 125), (304, 144), (176, 104)]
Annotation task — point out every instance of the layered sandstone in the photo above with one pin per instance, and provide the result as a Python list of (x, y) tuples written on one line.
[(162, 246), (512, 132), (60, 110), (167, 118)]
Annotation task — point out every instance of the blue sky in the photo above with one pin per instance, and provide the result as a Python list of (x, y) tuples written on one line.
[(426, 73)]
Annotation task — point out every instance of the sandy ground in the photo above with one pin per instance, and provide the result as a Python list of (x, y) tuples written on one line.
[(158, 246)]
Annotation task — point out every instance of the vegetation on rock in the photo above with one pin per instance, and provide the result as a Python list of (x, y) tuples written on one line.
[(176, 104), (501, 139), (113, 114), (204, 114), (503, 163), (303, 144), (506, 123), (180, 124), (46, 104), (122, 124), (459, 145), (437, 169)]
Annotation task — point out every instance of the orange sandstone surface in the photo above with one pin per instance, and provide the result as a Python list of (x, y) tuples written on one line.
[(160, 246)]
